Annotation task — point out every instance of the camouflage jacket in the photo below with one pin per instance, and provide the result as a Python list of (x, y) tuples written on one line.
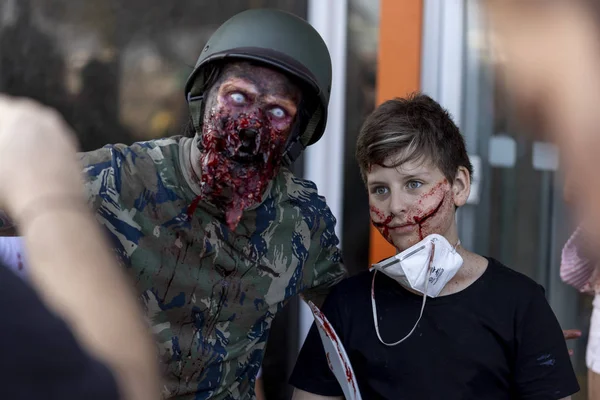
[(210, 294)]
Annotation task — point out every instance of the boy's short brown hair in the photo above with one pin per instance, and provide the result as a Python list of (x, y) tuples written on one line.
[(415, 128)]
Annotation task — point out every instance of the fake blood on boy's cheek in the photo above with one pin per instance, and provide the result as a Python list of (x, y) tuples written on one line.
[(381, 222), (420, 220), (227, 179)]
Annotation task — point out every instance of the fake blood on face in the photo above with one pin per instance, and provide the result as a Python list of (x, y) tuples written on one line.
[(240, 155), (420, 220), (382, 223)]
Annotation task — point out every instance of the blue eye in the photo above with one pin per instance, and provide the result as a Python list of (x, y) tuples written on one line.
[(414, 184), (278, 112), (380, 190), (238, 98)]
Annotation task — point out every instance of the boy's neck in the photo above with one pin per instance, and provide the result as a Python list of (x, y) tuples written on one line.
[(472, 269)]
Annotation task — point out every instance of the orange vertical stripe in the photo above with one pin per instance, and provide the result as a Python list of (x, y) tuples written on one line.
[(398, 72)]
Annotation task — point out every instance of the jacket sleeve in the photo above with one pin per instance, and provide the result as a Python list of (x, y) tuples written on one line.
[(325, 268)]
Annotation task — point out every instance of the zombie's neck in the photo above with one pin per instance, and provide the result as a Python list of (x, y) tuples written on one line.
[(186, 155)]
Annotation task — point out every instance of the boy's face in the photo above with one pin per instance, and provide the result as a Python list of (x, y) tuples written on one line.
[(412, 201)]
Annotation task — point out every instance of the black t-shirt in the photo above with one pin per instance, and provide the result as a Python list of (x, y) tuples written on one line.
[(497, 339), (39, 356)]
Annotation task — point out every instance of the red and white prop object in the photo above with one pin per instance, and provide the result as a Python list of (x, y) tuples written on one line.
[(338, 360)]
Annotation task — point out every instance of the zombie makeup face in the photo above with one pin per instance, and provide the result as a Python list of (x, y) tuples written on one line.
[(249, 116), (412, 201)]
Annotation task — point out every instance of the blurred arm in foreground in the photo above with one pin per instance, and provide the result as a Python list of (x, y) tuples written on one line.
[(549, 59), (70, 265)]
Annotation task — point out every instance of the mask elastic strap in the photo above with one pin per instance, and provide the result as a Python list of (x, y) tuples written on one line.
[(374, 307), (457, 244)]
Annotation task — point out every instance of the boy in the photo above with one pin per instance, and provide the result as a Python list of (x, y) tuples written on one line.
[(488, 334)]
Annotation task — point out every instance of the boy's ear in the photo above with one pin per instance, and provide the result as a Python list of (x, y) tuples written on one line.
[(461, 187)]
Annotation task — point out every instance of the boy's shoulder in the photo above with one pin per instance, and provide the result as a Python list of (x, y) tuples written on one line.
[(505, 278), (355, 288), (508, 291)]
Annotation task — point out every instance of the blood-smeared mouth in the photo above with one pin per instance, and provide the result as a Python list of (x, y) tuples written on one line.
[(382, 224), (249, 149), (246, 157), (240, 155), (402, 228), (417, 223)]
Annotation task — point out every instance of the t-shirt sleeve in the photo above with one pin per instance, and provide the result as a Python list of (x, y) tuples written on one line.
[(543, 366), (311, 372)]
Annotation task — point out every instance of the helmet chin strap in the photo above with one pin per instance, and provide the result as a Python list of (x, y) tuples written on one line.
[(296, 144), (195, 104), (292, 151), (196, 96)]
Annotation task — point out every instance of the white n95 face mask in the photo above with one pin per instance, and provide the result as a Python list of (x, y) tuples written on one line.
[(425, 267)]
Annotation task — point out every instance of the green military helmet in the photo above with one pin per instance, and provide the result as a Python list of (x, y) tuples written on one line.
[(277, 39)]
